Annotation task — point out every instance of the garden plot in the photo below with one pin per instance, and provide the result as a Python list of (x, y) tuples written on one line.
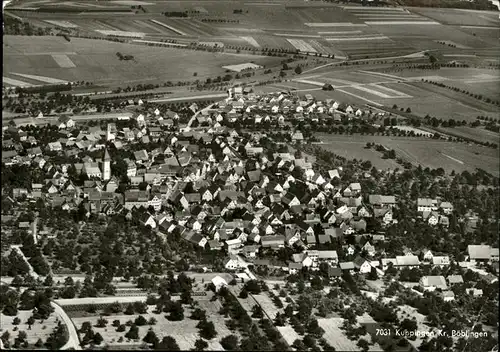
[(301, 45)]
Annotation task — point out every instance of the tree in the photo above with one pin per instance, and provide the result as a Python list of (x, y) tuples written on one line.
[(151, 337), (49, 281), (207, 329), (198, 314), (130, 309), (373, 274), (363, 344), (16, 321), (133, 332), (101, 322), (176, 312), (229, 343), (299, 345), (257, 312), (39, 343), (298, 70), (168, 344), (200, 345), (152, 321), (98, 339), (140, 321), (253, 287)]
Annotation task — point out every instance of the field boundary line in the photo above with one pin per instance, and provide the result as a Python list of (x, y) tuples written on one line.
[(359, 97)]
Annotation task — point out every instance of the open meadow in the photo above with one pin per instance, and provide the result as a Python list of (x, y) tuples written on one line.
[(424, 151)]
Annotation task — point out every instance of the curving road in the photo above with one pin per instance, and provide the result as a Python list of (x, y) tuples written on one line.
[(73, 340)]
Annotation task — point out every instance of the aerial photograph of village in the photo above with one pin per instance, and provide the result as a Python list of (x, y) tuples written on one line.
[(250, 175)]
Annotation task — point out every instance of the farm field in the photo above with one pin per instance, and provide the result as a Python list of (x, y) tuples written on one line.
[(96, 61), (426, 152), (459, 17)]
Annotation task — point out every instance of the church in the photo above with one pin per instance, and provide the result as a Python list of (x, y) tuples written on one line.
[(103, 171)]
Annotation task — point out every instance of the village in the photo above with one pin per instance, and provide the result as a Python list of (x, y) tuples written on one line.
[(264, 205)]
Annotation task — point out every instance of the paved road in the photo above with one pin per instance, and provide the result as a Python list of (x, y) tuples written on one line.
[(195, 97), (73, 340)]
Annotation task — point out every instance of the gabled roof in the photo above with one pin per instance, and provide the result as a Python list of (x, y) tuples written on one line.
[(436, 281), (481, 252)]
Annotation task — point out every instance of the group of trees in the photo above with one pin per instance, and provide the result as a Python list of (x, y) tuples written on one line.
[(456, 89)]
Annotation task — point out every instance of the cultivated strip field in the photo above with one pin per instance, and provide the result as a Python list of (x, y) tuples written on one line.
[(96, 61), (41, 78), (64, 24), (63, 61), (302, 45), (15, 83)]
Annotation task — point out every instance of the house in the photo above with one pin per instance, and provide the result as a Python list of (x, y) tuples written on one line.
[(273, 241), (441, 261), (362, 265), (426, 204), (232, 263), (446, 207), (147, 219), (410, 261), (250, 251), (481, 253), (430, 283), (233, 245), (330, 257), (431, 217), (474, 292), (369, 248), (381, 201), (347, 266), (218, 283), (294, 267), (448, 296), (426, 255), (297, 137), (334, 273), (455, 279), (388, 261)]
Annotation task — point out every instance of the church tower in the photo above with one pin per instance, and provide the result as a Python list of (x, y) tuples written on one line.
[(106, 170)]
